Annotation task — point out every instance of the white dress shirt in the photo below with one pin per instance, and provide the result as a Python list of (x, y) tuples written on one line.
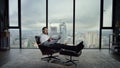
[(44, 40), (44, 37)]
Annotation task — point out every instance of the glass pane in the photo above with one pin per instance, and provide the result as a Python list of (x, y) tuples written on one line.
[(87, 22), (33, 13), (107, 17), (106, 36), (14, 38), (13, 12), (60, 19)]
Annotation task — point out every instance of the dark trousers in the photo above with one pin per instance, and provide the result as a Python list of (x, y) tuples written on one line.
[(58, 46)]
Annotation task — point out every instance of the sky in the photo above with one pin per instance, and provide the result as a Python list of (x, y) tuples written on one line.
[(33, 13)]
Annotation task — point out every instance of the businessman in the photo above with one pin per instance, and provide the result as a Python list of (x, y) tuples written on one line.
[(46, 40)]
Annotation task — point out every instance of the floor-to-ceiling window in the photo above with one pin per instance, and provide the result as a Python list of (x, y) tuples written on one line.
[(87, 22), (13, 24), (33, 18), (107, 23), (60, 19)]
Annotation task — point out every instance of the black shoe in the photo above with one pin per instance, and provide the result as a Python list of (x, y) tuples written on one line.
[(80, 46), (81, 43)]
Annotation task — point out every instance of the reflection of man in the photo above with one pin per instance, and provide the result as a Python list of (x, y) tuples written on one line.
[(46, 40)]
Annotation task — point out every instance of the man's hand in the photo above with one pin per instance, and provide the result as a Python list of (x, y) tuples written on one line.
[(59, 38), (49, 39)]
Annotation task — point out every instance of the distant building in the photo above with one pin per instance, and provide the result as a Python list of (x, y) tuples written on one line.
[(63, 33), (53, 30), (91, 39)]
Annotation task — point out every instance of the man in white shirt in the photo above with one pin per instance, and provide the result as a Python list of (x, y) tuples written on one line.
[(46, 40)]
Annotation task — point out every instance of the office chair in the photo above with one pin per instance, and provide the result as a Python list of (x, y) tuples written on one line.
[(46, 50)]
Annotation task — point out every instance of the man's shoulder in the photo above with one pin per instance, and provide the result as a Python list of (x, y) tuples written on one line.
[(44, 35)]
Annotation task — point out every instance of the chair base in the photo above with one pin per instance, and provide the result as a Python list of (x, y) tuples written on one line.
[(50, 57), (71, 60)]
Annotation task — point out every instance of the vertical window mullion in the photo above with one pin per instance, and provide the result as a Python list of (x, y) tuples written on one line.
[(113, 13), (73, 22), (101, 21), (19, 21)]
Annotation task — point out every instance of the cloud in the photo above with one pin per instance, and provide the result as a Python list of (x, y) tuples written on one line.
[(107, 4), (13, 7), (33, 13)]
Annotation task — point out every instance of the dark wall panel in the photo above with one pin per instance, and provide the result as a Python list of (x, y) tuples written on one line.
[(4, 33)]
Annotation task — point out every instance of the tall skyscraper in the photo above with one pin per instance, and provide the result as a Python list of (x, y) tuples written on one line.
[(53, 30), (63, 33)]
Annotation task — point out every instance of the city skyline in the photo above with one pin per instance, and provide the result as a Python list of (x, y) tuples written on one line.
[(91, 39)]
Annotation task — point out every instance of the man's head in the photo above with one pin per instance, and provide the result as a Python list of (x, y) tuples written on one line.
[(45, 30)]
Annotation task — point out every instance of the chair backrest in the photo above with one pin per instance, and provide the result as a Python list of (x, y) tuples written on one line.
[(44, 49), (37, 38)]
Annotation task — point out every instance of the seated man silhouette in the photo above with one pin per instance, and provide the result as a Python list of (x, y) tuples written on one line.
[(46, 40)]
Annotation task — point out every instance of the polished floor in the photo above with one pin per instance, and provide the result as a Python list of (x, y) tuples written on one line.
[(31, 58)]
